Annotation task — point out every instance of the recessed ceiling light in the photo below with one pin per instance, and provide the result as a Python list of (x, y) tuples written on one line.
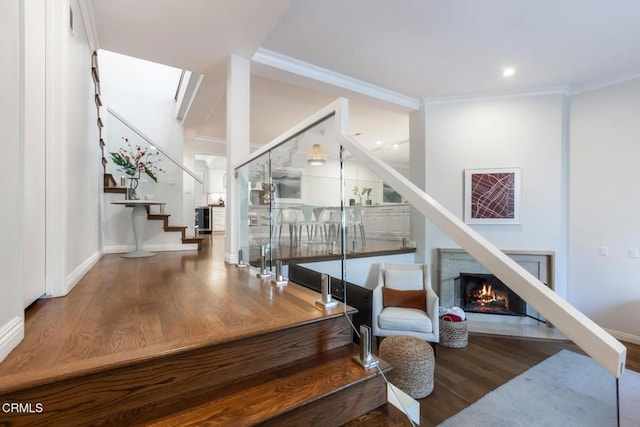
[(395, 146), (508, 72), (378, 142)]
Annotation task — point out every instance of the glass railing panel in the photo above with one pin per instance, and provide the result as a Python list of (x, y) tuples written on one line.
[(166, 180), (255, 185), (247, 217), (305, 200)]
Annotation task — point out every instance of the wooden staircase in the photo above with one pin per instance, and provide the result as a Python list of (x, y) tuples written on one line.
[(299, 375), (110, 186)]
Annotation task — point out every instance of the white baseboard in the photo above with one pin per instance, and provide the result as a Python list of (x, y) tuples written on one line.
[(74, 277), (231, 258), (623, 336), (11, 334), (169, 247)]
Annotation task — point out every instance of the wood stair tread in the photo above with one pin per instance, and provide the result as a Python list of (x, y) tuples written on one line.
[(158, 216), (384, 416), (121, 190), (264, 398)]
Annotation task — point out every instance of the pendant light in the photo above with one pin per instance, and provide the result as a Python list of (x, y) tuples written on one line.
[(316, 155)]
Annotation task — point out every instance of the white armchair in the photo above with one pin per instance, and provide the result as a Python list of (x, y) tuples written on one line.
[(402, 313)]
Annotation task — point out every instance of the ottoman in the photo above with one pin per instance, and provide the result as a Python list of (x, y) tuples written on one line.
[(413, 364)]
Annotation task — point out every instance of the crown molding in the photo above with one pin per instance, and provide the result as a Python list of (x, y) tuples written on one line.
[(203, 138), (87, 14), (553, 90), (305, 69), (603, 84)]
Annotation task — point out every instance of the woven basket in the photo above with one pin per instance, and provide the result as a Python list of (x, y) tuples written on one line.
[(453, 334)]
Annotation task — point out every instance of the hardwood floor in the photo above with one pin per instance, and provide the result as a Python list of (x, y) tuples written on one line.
[(129, 309), (126, 309)]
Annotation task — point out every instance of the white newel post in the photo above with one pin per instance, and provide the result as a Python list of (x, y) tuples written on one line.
[(238, 137)]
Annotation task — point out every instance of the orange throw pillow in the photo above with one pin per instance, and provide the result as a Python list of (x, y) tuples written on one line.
[(406, 299)]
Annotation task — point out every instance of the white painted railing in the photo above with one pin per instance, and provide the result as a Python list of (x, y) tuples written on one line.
[(590, 337)]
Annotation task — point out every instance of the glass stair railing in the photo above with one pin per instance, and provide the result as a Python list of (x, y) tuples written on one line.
[(297, 212), (180, 188)]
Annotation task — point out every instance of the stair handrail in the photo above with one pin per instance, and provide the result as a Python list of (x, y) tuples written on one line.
[(154, 144), (589, 336)]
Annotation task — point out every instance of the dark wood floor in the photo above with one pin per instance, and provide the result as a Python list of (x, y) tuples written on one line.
[(130, 308)]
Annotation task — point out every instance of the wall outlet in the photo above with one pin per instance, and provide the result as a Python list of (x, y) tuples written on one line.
[(633, 252), (603, 251)]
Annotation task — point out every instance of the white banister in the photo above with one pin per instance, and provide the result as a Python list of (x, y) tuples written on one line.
[(590, 337)]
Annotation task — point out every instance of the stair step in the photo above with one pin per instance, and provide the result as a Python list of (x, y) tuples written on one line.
[(174, 228), (158, 216), (326, 390), (109, 180), (191, 240), (120, 190), (386, 415), (127, 392)]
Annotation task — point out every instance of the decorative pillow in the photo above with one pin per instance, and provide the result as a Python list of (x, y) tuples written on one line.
[(406, 299), (404, 279)]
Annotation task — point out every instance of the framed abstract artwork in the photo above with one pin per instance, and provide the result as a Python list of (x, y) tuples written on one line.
[(492, 196)]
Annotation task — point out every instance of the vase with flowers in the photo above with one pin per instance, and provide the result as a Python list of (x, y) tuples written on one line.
[(366, 191), (134, 161)]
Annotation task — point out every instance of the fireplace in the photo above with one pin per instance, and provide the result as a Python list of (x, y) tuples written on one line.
[(485, 293)]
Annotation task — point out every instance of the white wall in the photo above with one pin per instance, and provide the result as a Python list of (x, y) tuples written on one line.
[(604, 205), (142, 92), (34, 221), (84, 170), (518, 132), (11, 314)]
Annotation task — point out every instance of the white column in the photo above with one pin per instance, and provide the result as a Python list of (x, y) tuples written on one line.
[(418, 175), (238, 137)]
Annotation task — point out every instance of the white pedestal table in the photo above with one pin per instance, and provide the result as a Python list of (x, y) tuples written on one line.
[(139, 222)]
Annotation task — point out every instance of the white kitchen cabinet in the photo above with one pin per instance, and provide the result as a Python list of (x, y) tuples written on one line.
[(218, 222), (387, 222)]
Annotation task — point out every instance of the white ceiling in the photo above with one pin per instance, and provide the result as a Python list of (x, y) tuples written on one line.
[(420, 48)]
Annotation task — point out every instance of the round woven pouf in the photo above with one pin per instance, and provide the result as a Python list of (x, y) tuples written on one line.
[(413, 364)]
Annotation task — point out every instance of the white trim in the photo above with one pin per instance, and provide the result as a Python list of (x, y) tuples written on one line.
[(301, 68), (91, 30), (76, 275), (210, 139), (11, 334), (165, 247), (56, 131), (623, 336), (231, 258), (189, 95), (605, 83), (553, 90)]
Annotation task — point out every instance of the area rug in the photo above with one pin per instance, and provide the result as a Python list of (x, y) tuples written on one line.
[(567, 389)]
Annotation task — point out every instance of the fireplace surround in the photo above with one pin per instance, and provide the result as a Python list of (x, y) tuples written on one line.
[(452, 263)]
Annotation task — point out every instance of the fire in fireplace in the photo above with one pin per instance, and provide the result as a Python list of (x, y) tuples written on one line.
[(485, 293)]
